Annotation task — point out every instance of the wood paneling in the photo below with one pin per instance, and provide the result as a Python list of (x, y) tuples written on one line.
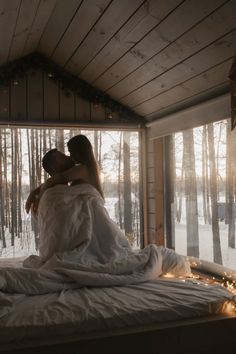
[(159, 195), (151, 190), (151, 205), (35, 95), (82, 109), (60, 18), (112, 117), (67, 105), (173, 26), (18, 99), (78, 29), (4, 103), (8, 16), (41, 19), (117, 13), (196, 39), (97, 112), (200, 83), (155, 191), (143, 20), (150, 174), (204, 60), (51, 99), (26, 15), (150, 55), (37, 98)]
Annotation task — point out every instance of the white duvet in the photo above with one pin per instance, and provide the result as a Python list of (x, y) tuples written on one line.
[(81, 246)]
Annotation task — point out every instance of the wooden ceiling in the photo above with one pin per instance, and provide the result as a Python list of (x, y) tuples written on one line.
[(154, 56)]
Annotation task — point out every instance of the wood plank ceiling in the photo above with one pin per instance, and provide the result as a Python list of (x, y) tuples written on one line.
[(153, 56)]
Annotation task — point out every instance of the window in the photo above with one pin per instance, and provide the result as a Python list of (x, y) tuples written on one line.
[(204, 177), (21, 151)]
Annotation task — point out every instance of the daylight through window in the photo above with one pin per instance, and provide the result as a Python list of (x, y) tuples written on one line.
[(21, 152), (204, 192)]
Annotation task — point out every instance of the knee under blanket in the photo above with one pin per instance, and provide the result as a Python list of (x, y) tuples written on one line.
[(81, 246)]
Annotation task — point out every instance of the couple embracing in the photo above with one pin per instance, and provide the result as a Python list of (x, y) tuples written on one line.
[(79, 244)]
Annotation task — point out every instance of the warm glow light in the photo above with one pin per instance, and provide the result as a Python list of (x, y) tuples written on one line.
[(168, 275), (229, 307)]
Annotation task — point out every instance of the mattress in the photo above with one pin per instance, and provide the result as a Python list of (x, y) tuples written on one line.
[(90, 310)]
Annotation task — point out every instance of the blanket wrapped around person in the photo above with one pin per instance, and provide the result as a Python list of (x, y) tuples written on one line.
[(81, 246)]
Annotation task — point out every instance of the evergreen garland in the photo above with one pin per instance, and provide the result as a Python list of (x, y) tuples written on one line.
[(70, 83)]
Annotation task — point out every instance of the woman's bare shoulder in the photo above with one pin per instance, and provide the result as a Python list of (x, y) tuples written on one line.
[(82, 172)]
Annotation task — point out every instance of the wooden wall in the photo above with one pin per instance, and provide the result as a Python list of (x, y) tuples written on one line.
[(37, 99), (155, 191)]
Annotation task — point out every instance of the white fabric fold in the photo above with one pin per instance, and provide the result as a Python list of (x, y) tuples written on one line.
[(81, 246)]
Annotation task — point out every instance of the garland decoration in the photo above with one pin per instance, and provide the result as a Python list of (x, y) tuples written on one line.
[(70, 83)]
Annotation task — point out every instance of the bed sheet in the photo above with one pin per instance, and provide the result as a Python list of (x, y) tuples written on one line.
[(89, 310)]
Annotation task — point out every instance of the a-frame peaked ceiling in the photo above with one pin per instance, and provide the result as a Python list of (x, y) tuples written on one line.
[(153, 56)]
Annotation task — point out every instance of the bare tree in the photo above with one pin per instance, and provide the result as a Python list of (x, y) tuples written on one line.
[(191, 194), (60, 140), (127, 185), (213, 189), (19, 182), (204, 168), (119, 184), (230, 180), (180, 193), (2, 218)]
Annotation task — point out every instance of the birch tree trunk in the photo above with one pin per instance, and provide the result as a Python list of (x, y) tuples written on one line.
[(230, 187), (6, 185), (96, 144), (127, 185), (19, 183), (180, 193), (60, 140), (204, 167), (14, 170), (44, 151), (120, 214), (2, 226), (217, 256), (190, 194)]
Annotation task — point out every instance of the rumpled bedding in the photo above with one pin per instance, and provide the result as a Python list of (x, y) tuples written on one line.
[(89, 311), (81, 246)]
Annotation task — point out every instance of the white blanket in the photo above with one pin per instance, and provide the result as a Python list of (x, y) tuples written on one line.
[(81, 246)]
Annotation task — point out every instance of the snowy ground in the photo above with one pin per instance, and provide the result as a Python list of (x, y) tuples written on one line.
[(206, 244), (25, 245), (205, 237)]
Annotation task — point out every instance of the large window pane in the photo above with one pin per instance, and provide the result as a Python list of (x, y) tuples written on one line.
[(21, 151), (204, 184)]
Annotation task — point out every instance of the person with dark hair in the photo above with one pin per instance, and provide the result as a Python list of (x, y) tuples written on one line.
[(77, 236), (81, 167), (81, 152), (55, 162)]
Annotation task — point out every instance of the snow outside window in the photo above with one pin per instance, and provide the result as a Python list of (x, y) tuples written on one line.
[(204, 180), (21, 151)]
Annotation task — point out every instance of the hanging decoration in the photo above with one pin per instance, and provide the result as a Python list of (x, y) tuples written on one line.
[(232, 76), (70, 84)]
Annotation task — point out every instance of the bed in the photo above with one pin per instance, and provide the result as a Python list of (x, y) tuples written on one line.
[(154, 317), (100, 296)]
